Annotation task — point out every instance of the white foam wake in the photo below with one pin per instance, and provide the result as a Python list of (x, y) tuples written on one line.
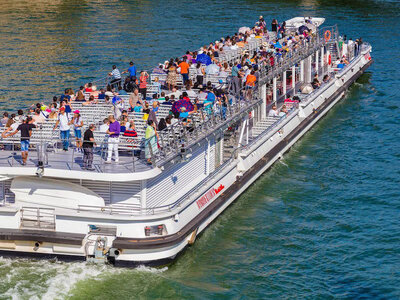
[(44, 279)]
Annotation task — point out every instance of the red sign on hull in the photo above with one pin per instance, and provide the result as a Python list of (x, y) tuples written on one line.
[(210, 195)]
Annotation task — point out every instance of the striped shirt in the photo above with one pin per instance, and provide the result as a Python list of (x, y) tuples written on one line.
[(116, 74)]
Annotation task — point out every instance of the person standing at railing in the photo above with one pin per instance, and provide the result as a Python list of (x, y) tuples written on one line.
[(131, 70), (144, 76), (63, 121), (88, 143), (274, 25), (151, 137), (116, 76), (172, 75), (113, 140), (26, 132), (184, 70)]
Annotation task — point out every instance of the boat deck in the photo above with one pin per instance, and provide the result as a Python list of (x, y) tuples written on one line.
[(73, 161)]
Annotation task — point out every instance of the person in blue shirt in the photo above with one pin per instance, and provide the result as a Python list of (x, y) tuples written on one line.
[(131, 70), (102, 94), (65, 95), (341, 65)]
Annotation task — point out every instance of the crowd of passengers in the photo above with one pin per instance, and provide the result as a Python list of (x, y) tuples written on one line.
[(181, 103)]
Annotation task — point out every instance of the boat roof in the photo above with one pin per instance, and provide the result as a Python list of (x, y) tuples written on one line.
[(299, 21)]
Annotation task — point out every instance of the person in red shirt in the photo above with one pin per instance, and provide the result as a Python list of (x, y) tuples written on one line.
[(143, 84), (88, 88), (184, 70)]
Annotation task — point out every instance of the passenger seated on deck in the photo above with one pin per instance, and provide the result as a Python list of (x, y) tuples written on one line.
[(90, 101), (88, 87), (167, 101), (80, 97), (315, 84), (306, 89), (53, 112), (38, 117), (341, 65), (134, 99), (273, 112), (325, 79), (5, 119), (283, 111)]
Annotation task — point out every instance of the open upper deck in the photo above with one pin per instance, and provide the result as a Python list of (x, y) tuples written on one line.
[(174, 140)]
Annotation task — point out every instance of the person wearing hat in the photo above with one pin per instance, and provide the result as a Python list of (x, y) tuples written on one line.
[(77, 123), (64, 128)]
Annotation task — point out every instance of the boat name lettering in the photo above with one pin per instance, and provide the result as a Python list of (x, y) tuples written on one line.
[(207, 197)]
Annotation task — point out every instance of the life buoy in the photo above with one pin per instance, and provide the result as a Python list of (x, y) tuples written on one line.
[(327, 35)]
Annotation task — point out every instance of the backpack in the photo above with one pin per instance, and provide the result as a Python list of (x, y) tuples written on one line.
[(130, 133)]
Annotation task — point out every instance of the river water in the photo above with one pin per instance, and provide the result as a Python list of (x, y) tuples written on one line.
[(322, 223)]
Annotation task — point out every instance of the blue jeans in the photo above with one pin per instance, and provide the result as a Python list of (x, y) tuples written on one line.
[(185, 77), (64, 134), (24, 145)]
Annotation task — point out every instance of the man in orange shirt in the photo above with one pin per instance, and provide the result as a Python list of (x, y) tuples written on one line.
[(250, 83), (184, 70)]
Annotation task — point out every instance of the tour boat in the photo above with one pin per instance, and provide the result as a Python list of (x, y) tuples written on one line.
[(131, 212)]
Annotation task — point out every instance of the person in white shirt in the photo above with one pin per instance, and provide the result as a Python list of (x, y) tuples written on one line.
[(273, 112), (192, 94), (104, 127), (234, 46), (63, 121), (38, 117)]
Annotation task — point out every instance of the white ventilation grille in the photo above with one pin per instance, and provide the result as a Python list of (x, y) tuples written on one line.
[(125, 192), (115, 192), (177, 179)]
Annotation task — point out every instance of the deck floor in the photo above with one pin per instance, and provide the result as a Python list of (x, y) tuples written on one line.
[(73, 160)]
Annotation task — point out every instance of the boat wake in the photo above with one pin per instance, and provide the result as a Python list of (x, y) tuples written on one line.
[(51, 279)]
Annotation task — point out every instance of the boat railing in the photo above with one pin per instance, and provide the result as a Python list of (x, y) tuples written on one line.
[(50, 154), (178, 138), (304, 102)]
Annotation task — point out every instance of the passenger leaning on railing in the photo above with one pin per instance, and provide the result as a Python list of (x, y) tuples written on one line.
[(151, 141), (116, 76), (26, 132), (131, 70)]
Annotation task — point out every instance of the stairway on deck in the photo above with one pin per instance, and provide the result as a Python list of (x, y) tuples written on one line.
[(262, 125), (229, 144)]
